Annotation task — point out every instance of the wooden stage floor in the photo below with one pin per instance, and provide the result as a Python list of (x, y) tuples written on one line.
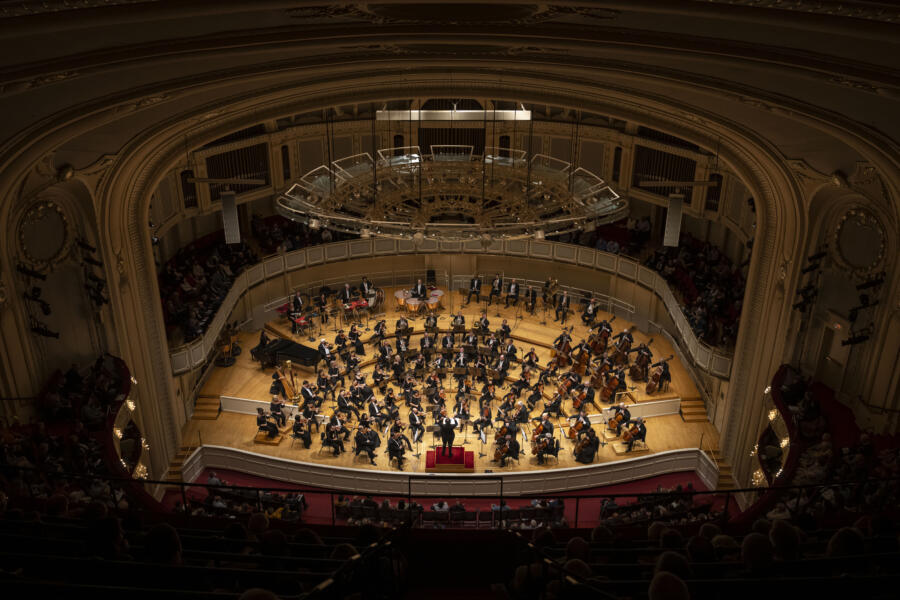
[(245, 379)]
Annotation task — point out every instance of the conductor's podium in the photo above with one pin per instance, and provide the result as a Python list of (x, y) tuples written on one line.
[(459, 461)]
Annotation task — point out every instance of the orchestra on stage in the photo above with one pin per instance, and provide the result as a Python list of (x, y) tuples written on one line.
[(455, 379)]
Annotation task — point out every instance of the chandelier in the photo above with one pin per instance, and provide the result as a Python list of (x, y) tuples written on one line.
[(452, 193)]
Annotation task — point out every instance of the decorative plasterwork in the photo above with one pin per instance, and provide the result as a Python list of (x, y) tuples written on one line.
[(836, 8), (383, 13), (24, 8), (858, 243), (44, 235)]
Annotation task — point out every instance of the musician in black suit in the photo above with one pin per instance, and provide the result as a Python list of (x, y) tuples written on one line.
[(322, 303), (504, 332), (589, 448), (626, 417), (325, 351), (301, 430), (496, 288), (264, 424), (483, 323), (346, 294), (474, 288), (447, 425), (297, 302), (379, 331), (640, 435), (308, 393), (396, 449), (590, 312), (416, 423), (512, 294), (365, 442), (366, 286), (562, 306), (401, 325), (431, 323), (530, 299), (419, 290), (514, 449), (426, 345), (501, 367)]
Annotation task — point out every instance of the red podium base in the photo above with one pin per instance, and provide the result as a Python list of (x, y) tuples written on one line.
[(459, 461)]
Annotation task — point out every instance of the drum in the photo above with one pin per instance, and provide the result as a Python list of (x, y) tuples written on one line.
[(433, 303), (372, 298), (413, 304), (401, 296)]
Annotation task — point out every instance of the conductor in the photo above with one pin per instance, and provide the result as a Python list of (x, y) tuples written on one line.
[(447, 425)]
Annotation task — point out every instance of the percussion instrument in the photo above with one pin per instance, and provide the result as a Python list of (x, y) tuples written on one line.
[(372, 298), (433, 303), (413, 304), (402, 296)]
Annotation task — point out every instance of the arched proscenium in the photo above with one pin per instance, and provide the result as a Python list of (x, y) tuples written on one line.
[(451, 194)]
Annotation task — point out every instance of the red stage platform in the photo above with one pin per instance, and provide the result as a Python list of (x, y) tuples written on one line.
[(459, 461)]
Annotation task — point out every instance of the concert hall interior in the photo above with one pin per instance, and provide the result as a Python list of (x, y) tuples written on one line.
[(594, 299)]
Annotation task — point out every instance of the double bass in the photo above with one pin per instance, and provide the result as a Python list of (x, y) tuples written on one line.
[(653, 383), (638, 370), (581, 362), (599, 372), (622, 347), (563, 354), (601, 339)]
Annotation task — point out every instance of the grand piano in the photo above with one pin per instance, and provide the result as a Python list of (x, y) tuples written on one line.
[(280, 350)]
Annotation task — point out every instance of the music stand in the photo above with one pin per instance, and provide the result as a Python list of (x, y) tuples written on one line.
[(544, 312), (481, 453), (464, 423)]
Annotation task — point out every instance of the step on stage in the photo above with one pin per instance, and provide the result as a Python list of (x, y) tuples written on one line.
[(459, 461)]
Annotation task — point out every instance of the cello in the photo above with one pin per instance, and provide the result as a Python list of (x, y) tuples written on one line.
[(574, 429), (612, 382), (629, 433), (613, 424), (502, 449)]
